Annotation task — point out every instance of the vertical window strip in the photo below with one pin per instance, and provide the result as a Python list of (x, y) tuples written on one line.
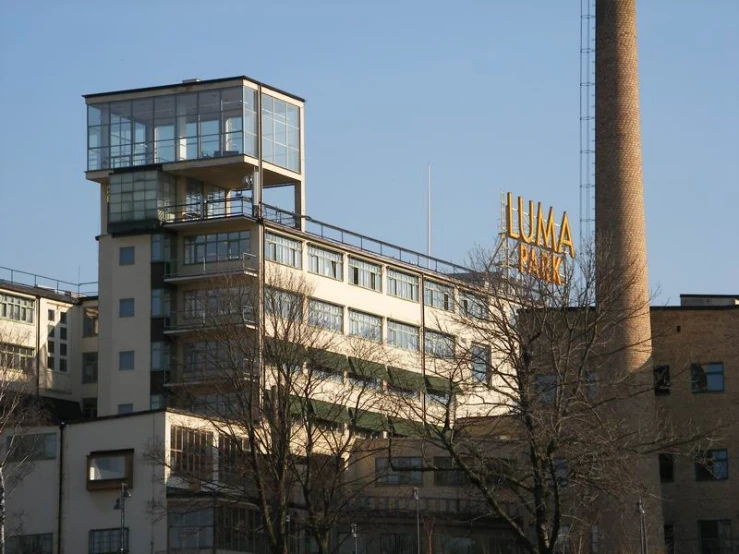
[(283, 250), (402, 285)]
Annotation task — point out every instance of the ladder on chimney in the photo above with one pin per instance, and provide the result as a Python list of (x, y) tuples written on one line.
[(587, 124)]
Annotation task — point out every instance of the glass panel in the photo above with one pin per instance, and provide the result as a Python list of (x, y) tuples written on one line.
[(108, 467)]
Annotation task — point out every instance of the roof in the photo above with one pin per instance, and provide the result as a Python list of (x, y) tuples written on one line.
[(191, 83), (44, 292)]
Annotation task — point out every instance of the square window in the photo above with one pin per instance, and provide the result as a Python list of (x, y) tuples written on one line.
[(125, 307), (126, 255), (125, 360)]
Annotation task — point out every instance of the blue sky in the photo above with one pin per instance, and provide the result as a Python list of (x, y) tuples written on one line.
[(487, 91)]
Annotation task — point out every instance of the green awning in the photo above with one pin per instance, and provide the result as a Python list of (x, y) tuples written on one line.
[(330, 412), (284, 352), (440, 386), (404, 379), (371, 421), (406, 428), (327, 360), (368, 369)]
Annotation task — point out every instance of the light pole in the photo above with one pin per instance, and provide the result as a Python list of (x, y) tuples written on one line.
[(642, 526), (354, 534), (120, 504), (418, 520)]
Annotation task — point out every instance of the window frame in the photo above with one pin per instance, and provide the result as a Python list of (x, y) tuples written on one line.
[(124, 312), (402, 285), (325, 263), (363, 324), (364, 274), (112, 483), (387, 476), (699, 382), (705, 465), (126, 353), (126, 255), (283, 250), (318, 318), (403, 335)]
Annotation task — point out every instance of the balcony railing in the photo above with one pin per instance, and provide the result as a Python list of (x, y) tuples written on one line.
[(203, 210), (203, 320), (385, 505), (211, 266)]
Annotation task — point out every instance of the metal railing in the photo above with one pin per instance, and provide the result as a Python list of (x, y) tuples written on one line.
[(208, 209), (18, 277), (388, 505), (193, 320), (211, 266)]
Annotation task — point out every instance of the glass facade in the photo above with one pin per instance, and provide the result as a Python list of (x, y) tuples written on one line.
[(191, 126), (140, 196)]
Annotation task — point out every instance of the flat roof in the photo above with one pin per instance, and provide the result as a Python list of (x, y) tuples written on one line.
[(45, 292), (190, 83)]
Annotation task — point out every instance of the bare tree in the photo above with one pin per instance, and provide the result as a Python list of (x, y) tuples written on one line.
[(19, 410), (537, 415), (270, 385)]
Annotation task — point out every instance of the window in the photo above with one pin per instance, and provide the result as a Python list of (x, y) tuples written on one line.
[(125, 409), (438, 345), (89, 408), (439, 296), (126, 255), (546, 388), (284, 304), (51, 347), (51, 315), (280, 133), (473, 306), (17, 308), (50, 363), (90, 323), (125, 307), (107, 541), (139, 196), (283, 250), (27, 448), (89, 367), (712, 465), (210, 302), (160, 303), (159, 356), (62, 333), (666, 468), (402, 285), (325, 262), (108, 469), (190, 452), (707, 377), (63, 318), (325, 315), (13, 356), (62, 365), (126, 360), (399, 471), (365, 325), (403, 336), (161, 245), (63, 349), (51, 331), (447, 474), (661, 380), (365, 274), (480, 363), (191, 530), (217, 247), (669, 533), (156, 402), (715, 536), (30, 544)]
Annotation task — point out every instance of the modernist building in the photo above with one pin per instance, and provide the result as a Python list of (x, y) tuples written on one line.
[(183, 172)]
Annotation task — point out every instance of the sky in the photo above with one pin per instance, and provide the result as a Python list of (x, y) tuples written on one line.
[(485, 91)]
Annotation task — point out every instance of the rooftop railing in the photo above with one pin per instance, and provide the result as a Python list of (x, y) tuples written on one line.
[(50, 284)]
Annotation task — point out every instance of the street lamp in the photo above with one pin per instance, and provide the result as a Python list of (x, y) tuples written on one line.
[(120, 504), (354, 534), (418, 520)]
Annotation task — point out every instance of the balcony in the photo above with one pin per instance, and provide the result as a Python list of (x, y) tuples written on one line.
[(55, 381), (190, 321), (211, 209), (211, 267), (405, 506)]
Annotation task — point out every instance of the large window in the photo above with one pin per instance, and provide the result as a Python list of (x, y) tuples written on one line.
[(402, 285), (325, 262), (31, 447), (107, 541), (438, 345), (365, 325), (712, 465), (399, 470), (14, 356), (283, 250), (365, 274), (89, 367), (108, 469), (17, 308), (280, 133), (473, 306), (707, 377), (325, 315), (191, 530), (139, 196), (285, 304), (171, 128), (191, 452), (403, 336), (41, 543), (439, 296), (666, 468), (217, 247)]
